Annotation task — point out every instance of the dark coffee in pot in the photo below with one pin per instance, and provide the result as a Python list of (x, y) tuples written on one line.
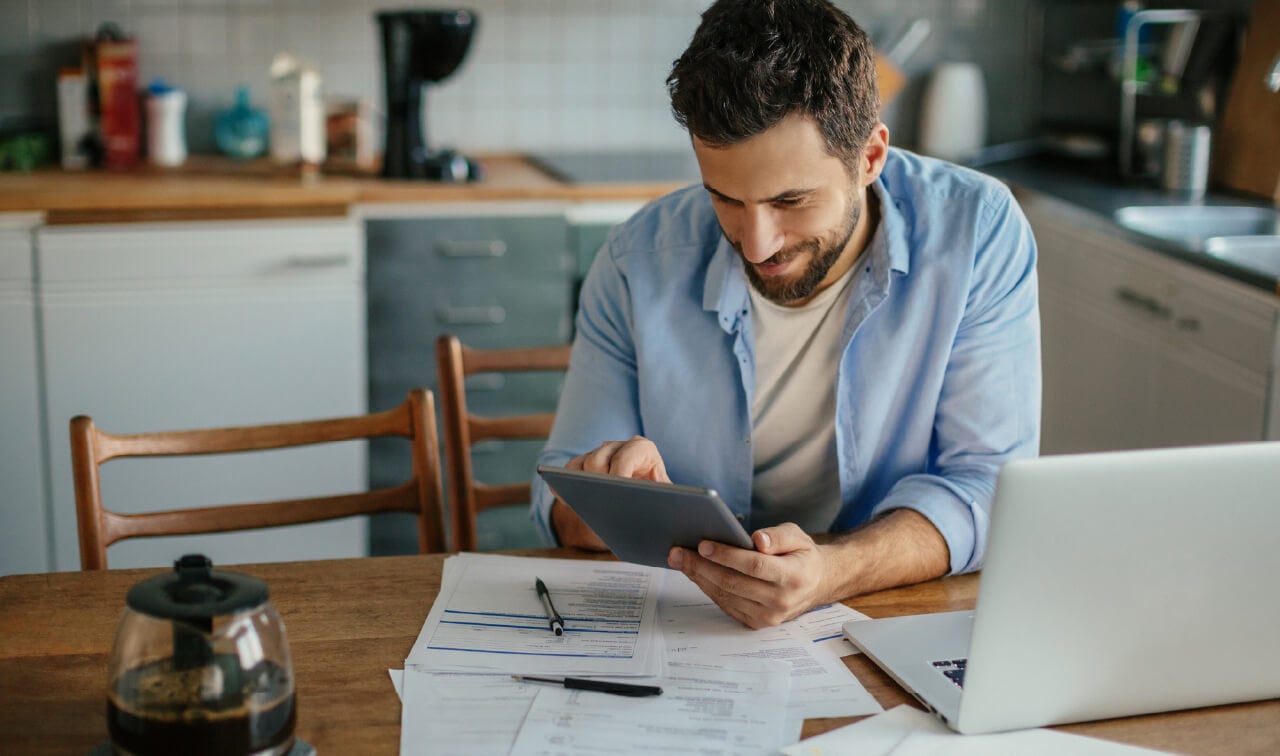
[(255, 715)]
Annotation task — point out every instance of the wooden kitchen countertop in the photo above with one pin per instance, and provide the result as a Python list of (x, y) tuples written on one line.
[(212, 188)]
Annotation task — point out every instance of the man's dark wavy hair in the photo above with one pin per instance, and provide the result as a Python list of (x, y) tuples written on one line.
[(753, 62)]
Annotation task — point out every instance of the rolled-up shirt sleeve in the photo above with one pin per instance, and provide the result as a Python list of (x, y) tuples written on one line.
[(988, 410), (599, 400)]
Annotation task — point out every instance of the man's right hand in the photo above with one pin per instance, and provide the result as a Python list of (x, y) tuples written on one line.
[(635, 458)]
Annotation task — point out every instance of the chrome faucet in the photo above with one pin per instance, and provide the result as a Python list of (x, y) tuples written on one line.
[(1273, 78)]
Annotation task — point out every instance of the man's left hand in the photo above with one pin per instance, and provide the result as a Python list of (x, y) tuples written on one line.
[(783, 578)]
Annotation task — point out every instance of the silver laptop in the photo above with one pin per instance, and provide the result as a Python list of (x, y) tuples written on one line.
[(1115, 584)]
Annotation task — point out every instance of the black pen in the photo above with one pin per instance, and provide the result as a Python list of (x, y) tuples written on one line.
[(553, 617), (603, 686)]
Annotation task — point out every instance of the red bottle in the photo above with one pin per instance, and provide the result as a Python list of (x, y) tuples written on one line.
[(117, 68)]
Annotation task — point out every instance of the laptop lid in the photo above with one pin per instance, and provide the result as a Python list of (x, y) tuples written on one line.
[(1127, 583)]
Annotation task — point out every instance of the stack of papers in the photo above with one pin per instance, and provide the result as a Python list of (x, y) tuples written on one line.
[(904, 731), (488, 618), (726, 689)]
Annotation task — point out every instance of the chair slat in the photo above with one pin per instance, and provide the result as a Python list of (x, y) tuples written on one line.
[(462, 430), (413, 419)]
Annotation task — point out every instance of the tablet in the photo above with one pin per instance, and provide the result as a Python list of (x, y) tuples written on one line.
[(640, 520)]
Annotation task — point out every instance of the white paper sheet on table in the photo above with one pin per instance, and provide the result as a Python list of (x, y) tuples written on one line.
[(708, 705), (488, 619), (821, 684), (790, 731), (451, 713), (905, 731)]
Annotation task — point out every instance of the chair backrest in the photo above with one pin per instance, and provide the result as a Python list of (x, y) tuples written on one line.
[(467, 496), (414, 420)]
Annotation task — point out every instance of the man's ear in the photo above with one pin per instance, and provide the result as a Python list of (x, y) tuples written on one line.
[(874, 155)]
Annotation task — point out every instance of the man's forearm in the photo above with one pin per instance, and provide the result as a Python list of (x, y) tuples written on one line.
[(570, 530), (901, 548)]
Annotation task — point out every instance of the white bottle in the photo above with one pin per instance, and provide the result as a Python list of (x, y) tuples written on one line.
[(166, 127), (297, 112), (953, 117), (73, 116)]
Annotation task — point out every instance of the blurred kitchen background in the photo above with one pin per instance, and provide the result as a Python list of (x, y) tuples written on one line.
[(290, 288), (541, 74)]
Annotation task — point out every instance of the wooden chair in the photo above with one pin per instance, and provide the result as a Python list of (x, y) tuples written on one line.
[(462, 430), (414, 419)]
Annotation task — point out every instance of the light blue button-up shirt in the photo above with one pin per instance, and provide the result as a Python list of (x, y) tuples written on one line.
[(938, 385)]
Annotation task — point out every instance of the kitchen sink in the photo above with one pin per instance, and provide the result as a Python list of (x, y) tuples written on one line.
[(1192, 226), (1260, 253)]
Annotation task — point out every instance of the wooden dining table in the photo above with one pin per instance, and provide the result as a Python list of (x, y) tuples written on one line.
[(351, 620)]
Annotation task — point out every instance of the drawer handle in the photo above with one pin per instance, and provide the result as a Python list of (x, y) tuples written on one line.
[(486, 382), (448, 248), (303, 262), (488, 446), (472, 315), (1150, 305)]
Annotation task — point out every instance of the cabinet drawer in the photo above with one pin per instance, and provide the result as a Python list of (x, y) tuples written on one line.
[(459, 249), (321, 251), (1175, 301), (15, 257)]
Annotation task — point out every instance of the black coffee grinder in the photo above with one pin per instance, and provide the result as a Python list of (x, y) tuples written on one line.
[(418, 47)]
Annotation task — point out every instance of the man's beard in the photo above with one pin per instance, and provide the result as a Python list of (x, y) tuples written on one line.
[(826, 250)]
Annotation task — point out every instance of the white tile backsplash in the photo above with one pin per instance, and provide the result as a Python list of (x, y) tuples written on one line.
[(540, 75)]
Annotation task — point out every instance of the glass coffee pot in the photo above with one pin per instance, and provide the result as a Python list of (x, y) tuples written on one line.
[(200, 666)]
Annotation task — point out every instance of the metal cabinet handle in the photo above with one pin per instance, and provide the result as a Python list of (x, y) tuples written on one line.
[(486, 382), (472, 315), (306, 262), (451, 248), (1150, 305)]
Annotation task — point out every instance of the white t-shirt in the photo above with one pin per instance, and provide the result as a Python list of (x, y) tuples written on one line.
[(793, 412)]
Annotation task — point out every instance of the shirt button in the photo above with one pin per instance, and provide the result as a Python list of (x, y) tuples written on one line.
[(747, 440)]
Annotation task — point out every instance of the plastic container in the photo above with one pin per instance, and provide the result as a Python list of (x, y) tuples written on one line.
[(242, 131), (166, 124), (953, 118)]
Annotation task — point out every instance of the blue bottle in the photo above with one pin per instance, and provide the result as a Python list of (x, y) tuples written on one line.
[(242, 131)]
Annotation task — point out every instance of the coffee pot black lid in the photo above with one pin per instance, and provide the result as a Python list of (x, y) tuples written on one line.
[(196, 591)]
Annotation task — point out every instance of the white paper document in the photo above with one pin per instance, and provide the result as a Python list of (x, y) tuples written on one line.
[(445, 713), (821, 684), (905, 731), (708, 706), (488, 618)]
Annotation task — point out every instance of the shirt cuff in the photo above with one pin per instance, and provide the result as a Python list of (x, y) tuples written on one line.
[(962, 523), (540, 511)]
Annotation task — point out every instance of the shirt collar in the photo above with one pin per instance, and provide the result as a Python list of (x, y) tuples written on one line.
[(725, 289)]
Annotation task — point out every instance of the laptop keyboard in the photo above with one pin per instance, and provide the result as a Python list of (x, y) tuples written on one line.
[(952, 669)]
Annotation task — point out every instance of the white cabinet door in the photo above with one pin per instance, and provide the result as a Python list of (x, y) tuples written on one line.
[(1140, 350), (166, 327), (24, 540)]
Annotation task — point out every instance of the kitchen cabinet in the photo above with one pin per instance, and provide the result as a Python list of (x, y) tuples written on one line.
[(155, 326), (1141, 350), (496, 275), (23, 504)]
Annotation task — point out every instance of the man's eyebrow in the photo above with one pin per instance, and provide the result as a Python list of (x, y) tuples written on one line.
[(787, 195)]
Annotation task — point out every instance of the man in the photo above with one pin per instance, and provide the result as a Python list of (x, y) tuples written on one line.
[(840, 338)]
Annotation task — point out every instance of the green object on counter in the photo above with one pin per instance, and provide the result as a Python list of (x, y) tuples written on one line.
[(24, 151), (242, 131)]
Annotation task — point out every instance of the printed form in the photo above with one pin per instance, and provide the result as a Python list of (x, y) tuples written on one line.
[(821, 684), (488, 618)]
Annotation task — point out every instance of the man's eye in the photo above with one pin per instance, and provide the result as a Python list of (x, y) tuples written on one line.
[(787, 202)]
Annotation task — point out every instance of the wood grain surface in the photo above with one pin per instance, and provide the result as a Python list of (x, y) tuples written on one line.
[(349, 621), (210, 188), (1247, 143)]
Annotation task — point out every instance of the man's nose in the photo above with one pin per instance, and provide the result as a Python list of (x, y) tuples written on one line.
[(762, 237)]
